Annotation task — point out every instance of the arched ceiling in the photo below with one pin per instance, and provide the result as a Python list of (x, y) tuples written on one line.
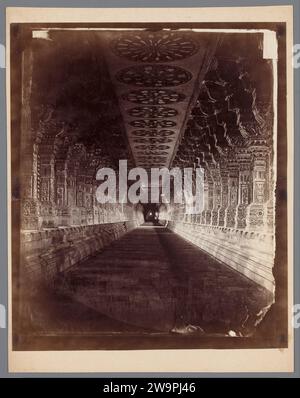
[(156, 75), (157, 98)]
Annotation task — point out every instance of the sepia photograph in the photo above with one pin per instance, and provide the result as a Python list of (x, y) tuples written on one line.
[(149, 183)]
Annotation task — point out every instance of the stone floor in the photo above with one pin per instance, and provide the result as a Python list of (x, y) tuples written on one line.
[(153, 281)]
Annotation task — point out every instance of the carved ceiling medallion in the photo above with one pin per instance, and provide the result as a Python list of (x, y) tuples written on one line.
[(152, 133), (153, 124), (152, 147), (152, 112), (152, 153), (153, 97), (154, 46), (154, 75), (152, 140)]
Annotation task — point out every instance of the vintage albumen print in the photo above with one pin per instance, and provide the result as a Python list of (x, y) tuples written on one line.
[(148, 186)]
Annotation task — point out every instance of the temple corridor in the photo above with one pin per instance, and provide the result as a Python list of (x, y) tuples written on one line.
[(101, 112)]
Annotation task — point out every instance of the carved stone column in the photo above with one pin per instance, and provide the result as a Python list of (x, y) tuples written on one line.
[(244, 159), (216, 195), (63, 216), (47, 193), (89, 200), (224, 195), (205, 198), (233, 192), (28, 156), (256, 211), (96, 215), (80, 197), (269, 220), (71, 172), (208, 198)]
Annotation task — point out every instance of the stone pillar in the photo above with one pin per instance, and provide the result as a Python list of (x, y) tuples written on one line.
[(47, 193), (52, 181), (70, 172), (28, 152), (101, 214), (224, 195), (256, 215), (233, 192), (269, 213), (205, 198), (96, 219), (244, 188), (89, 200), (216, 195), (208, 198), (80, 210), (63, 215)]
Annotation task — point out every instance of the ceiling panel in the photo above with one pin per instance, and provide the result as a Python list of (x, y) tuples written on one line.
[(157, 76)]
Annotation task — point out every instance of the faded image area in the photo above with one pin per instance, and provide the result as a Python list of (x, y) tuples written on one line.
[(166, 269)]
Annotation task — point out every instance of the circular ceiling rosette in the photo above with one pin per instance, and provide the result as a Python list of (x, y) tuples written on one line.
[(152, 133), (154, 75), (152, 112), (152, 140), (152, 147), (152, 124), (152, 153), (153, 97), (154, 46)]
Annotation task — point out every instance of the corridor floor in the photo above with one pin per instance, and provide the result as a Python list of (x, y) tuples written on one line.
[(153, 281)]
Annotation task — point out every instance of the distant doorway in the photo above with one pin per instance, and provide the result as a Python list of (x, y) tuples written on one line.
[(151, 214)]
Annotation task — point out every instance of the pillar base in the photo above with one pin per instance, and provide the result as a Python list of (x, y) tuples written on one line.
[(241, 217), (64, 216), (208, 217), (214, 217), (48, 215), (221, 217), (269, 216), (255, 217), (29, 215), (230, 215)]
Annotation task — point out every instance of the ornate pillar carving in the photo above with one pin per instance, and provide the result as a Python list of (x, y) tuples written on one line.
[(208, 198), (47, 193), (233, 192), (224, 194), (96, 213), (76, 195), (257, 209), (216, 176), (80, 196), (89, 200), (269, 207), (29, 152), (63, 215), (244, 159)]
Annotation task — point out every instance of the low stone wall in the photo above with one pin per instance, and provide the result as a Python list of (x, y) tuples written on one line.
[(44, 254), (250, 253)]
